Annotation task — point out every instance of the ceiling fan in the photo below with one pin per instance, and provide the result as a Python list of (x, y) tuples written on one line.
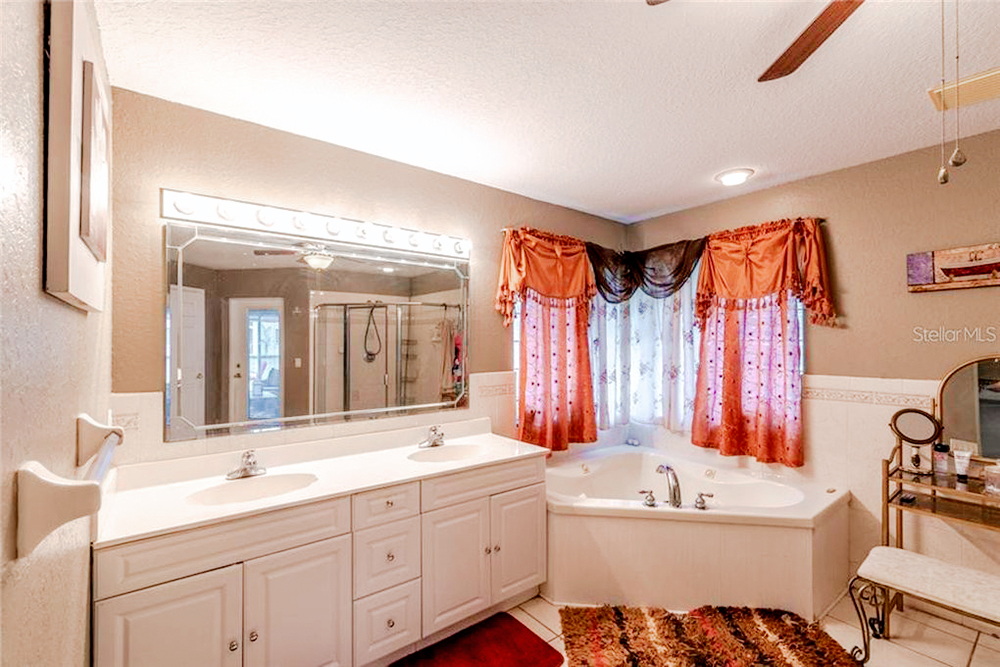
[(811, 38)]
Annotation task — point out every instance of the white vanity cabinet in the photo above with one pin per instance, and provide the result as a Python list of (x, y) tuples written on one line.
[(289, 608), (479, 552), (336, 582)]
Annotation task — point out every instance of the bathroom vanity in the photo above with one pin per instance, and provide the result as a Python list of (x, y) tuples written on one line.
[(340, 561)]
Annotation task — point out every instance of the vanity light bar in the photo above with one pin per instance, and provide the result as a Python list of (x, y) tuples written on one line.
[(187, 207)]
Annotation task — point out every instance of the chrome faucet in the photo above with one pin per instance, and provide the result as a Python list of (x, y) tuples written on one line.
[(673, 486), (699, 502), (435, 438), (248, 467)]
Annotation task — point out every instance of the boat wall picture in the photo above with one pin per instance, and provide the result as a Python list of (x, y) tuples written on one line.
[(956, 268)]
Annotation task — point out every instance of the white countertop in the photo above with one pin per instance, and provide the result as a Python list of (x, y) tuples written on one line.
[(140, 512)]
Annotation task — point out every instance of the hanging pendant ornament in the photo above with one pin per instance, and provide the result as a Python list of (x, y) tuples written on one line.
[(957, 157), (943, 171)]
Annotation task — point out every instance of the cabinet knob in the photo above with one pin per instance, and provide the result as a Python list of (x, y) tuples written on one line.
[(389, 557), (488, 551), (233, 646), (253, 635), (389, 504), (496, 549), (390, 624)]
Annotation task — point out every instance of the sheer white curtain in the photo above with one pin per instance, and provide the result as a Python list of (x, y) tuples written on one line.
[(645, 359)]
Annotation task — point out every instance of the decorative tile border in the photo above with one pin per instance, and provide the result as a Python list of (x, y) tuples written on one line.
[(129, 421), (496, 390), (873, 397)]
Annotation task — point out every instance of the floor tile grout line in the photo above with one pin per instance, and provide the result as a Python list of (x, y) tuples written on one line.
[(968, 663), (558, 632)]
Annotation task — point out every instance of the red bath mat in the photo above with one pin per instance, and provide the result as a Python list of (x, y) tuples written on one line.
[(499, 641)]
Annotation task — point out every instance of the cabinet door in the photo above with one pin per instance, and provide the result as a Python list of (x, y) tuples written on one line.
[(194, 622), (297, 610), (456, 563), (518, 530)]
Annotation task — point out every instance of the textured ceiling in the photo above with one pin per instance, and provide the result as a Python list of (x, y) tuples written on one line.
[(615, 108)]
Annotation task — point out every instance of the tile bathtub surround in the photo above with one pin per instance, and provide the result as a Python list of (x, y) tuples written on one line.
[(846, 422), (141, 415)]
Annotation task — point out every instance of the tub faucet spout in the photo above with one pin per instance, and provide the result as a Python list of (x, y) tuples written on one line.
[(673, 485)]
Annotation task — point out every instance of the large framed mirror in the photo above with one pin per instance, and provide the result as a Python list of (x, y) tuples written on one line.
[(268, 330), (969, 405)]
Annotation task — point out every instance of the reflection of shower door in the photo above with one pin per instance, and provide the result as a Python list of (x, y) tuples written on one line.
[(366, 357), (256, 359)]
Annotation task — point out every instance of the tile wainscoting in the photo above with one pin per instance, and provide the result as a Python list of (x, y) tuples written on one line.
[(141, 415)]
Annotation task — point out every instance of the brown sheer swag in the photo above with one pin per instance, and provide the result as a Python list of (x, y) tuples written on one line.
[(550, 276), (659, 271), (751, 282)]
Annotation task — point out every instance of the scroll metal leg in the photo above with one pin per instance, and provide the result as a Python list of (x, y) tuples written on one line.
[(866, 596)]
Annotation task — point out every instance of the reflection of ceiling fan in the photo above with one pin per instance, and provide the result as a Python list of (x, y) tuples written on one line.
[(310, 255), (818, 31)]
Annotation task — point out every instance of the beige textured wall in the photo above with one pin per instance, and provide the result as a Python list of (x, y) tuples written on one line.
[(161, 144), (54, 363), (877, 213)]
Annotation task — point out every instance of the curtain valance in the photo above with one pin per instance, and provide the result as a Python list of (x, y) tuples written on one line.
[(549, 265), (658, 271), (781, 257)]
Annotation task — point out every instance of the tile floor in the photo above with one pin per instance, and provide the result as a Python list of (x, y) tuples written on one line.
[(919, 639)]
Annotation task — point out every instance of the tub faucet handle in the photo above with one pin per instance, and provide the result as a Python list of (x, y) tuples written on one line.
[(699, 502), (650, 500)]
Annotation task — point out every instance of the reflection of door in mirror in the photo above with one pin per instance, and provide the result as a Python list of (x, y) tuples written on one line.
[(970, 406), (988, 383), (186, 355), (256, 359)]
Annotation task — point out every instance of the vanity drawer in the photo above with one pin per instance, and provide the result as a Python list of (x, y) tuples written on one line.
[(374, 508), (453, 489), (386, 622), (385, 556), (134, 565)]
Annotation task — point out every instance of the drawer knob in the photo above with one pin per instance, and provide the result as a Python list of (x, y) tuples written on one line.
[(389, 557), (389, 504), (488, 551), (233, 646), (496, 549), (253, 635), (390, 624)]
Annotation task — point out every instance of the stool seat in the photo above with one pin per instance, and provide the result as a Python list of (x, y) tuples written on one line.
[(961, 588)]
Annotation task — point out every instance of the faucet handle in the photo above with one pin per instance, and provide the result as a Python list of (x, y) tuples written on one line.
[(250, 457), (699, 502), (650, 500)]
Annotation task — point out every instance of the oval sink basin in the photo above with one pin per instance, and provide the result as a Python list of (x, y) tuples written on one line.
[(447, 453), (251, 488)]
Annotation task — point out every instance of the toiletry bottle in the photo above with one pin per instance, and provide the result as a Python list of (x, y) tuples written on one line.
[(941, 458)]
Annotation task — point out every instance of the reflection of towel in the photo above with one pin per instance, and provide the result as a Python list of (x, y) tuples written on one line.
[(447, 328)]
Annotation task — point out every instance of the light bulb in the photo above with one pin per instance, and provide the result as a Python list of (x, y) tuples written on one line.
[(317, 260), (733, 177)]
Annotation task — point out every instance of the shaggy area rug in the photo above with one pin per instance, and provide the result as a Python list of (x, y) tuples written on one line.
[(499, 641), (705, 637)]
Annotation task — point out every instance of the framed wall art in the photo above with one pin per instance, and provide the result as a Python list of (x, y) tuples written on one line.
[(78, 173), (956, 268)]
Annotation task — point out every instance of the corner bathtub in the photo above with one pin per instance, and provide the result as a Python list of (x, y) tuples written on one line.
[(761, 542)]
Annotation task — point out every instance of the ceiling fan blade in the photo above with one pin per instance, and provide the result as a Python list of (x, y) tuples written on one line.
[(818, 31), (655, 2), (266, 253)]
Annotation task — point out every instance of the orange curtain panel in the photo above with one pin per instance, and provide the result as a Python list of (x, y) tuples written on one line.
[(749, 392), (550, 276)]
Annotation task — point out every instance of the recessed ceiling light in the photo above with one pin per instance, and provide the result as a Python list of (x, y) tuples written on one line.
[(317, 260), (734, 176), (388, 269)]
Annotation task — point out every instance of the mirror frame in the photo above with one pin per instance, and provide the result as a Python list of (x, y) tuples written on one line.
[(940, 397), (437, 254)]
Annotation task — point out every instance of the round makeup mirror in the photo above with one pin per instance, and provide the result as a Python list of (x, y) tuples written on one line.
[(915, 426)]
